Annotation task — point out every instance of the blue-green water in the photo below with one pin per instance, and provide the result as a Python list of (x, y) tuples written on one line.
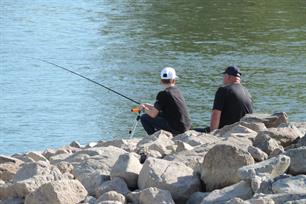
[(123, 45)]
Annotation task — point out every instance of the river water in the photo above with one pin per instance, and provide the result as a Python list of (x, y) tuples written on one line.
[(124, 45)]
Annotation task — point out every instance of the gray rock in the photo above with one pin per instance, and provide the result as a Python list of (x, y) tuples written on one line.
[(191, 158), (12, 200), (220, 166), (58, 192), (276, 198), (158, 142), (257, 154), (299, 125), (295, 184), (175, 177), (241, 190), (277, 151), (116, 184), (103, 158), (255, 126), (89, 200), (270, 168), (112, 196), (301, 201), (298, 158), (264, 142), (269, 120), (133, 197), (75, 144), (36, 156), (155, 196), (182, 146), (284, 135), (29, 170), (194, 138), (57, 158), (9, 167), (196, 198), (128, 168), (6, 191), (128, 145), (92, 180)]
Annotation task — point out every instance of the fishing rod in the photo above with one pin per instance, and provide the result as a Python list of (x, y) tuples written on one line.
[(84, 77)]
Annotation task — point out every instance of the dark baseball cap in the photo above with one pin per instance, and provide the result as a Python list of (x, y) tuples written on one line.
[(233, 71)]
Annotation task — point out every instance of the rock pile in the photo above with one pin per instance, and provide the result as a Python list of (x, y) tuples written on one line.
[(261, 159)]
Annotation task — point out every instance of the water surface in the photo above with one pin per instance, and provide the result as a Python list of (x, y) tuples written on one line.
[(123, 45)]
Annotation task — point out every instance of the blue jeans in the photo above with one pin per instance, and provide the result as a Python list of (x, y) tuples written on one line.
[(152, 125)]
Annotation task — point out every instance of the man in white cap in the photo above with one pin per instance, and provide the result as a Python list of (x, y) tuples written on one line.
[(169, 111)]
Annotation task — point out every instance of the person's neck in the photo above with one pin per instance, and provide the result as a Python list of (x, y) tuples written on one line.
[(167, 86)]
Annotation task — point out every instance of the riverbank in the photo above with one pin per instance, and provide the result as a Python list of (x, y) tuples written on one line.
[(259, 159)]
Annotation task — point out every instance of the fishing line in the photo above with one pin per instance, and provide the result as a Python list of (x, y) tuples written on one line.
[(84, 77)]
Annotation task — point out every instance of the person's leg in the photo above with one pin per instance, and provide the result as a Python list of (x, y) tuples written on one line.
[(152, 125), (147, 123)]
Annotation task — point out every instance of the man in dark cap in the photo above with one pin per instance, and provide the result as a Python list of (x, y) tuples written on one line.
[(232, 101)]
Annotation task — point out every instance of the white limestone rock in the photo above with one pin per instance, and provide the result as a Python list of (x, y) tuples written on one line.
[(155, 196), (175, 177), (116, 184), (241, 190), (58, 192), (111, 197), (270, 168), (273, 120), (128, 168)]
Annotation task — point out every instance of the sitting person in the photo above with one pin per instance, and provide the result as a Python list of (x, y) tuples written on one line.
[(169, 112), (232, 101)]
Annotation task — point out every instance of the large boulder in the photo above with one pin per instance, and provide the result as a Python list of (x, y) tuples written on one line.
[(298, 160), (239, 190), (157, 145), (116, 184), (284, 134), (220, 166), (294, 184), (100, 158), (269, 120), (175, 177), (32, 175), (270, 168), (128, 168), (92, 180), (264, 142), (37, 156), (58, 192), (29, 170), (8, 167), (155, 196)]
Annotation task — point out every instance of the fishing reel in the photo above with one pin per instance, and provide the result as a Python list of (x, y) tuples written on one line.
[(132, 130)]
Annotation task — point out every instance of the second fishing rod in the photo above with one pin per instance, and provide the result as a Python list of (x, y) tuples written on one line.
[(93, 81)]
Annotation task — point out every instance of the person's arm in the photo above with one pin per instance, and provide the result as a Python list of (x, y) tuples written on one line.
[(149, 109), (215, 119)]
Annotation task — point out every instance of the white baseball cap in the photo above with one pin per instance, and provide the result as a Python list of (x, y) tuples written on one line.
[(168, 73)]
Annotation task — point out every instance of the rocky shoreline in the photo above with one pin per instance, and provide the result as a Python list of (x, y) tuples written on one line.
[(259, 160)]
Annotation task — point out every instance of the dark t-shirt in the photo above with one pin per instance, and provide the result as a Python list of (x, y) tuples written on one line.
[(234, 101), (172, 107)]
